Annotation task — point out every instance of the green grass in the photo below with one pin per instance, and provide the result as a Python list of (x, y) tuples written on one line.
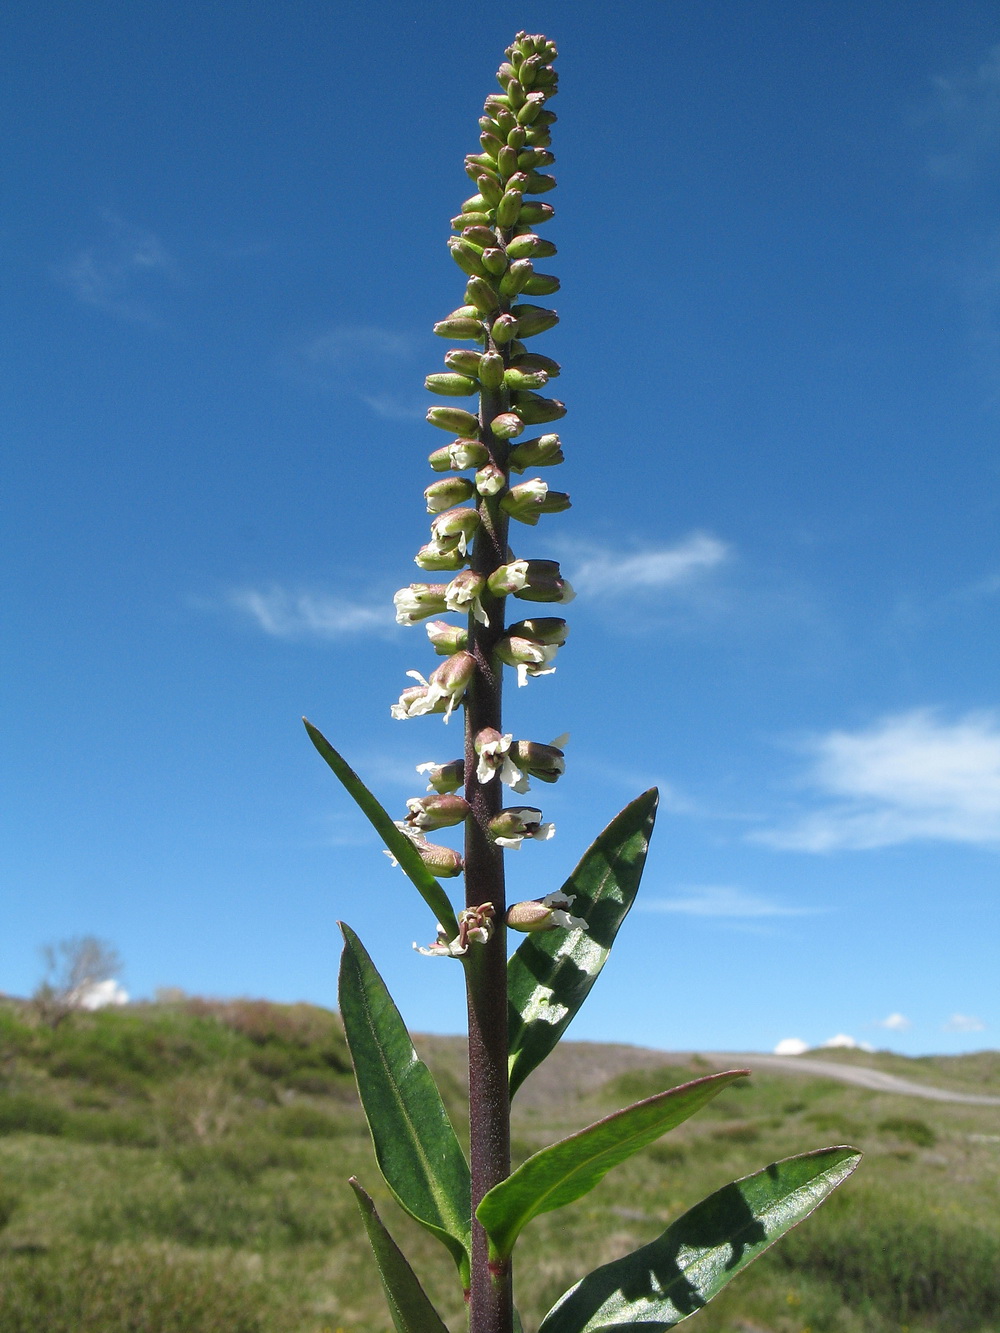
[(182, 1167)]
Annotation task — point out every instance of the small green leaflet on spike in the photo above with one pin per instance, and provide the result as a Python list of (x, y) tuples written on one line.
[(409, 1305), (551, 973), (397, 843), (416, 1147), (565, 1171), (657, 1286)]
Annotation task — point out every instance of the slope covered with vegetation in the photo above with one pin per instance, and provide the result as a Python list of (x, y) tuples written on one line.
[(180, 1168)]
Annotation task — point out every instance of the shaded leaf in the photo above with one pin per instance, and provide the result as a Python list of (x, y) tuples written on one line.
[(415, 1145), (566, 1170), (409, 1305), (662, 1283), (551, 973), (400, 846)]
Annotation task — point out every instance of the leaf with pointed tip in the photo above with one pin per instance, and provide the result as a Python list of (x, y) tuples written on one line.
[(398, 844), (409, 1305), (565, 1171), (551, 973), (416, 1147), (657, 1286)]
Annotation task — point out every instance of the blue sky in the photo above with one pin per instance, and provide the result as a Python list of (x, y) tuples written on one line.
[(222, 252)]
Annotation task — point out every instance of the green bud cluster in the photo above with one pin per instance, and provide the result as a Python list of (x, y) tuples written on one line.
[(495, 247)]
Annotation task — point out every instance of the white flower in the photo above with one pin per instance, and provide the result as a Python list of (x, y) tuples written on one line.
[(494, 757)]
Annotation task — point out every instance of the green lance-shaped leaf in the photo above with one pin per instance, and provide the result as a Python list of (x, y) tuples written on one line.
[(409, 1305), (398, 844), (415, 1145), (657, 1286), (551, 974), (566, 1170)]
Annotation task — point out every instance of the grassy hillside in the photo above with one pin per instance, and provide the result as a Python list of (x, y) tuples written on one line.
[(179, 1169)]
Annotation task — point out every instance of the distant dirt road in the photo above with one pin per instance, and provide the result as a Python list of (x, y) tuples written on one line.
[(864, 1078)]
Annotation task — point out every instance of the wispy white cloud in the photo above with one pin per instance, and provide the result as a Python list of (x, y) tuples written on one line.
[(908, 777), (964, 116), (363, 362), (720, 900), (114, 273), (845, 1043), (894, 1023), (963, 1023), (602, 572), (286, 614)]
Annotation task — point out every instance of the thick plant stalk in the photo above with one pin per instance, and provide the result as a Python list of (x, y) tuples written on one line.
[(490, 1298)]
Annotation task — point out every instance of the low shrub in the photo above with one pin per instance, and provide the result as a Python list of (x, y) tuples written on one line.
[(24, 1114)]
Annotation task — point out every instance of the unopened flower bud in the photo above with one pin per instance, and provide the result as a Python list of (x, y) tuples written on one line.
[(491, 370), (442, 862), (516, 137), (480, 293), (494, 261), (533, 103), (541, 284), (463, 593), (466, 219), (418, 601), (509, 208), (548, 913), (455, 419), (447, 639), (533, 214), (490, 479), (450, 385), (547, 763), (533, 319), (491, 144), (520, 380), (535, 410), (468, 259), (434, 812), (529, 246), (458, 456), (443, 778), (441, 495), (459, 326), (539, 182), (532, 581), (516, 94), (506, 162), (464, 361), (505, 327), (515, 279), (505, 425), (526, 361), (511, 826), (490, 188), (543, 629), (473, 206), (544, 451), (481, 237), (532, 158)]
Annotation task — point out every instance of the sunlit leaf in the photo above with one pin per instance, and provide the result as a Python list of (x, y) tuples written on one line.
[(409, 1305), (415, 1144), (551, 973), (566, 1170), (397, 843), (662, 1283)]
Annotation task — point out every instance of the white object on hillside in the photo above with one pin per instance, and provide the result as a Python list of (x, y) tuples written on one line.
[(98, 995)]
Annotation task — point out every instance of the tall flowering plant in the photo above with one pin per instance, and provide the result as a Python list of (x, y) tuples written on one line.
[(519, 1007)]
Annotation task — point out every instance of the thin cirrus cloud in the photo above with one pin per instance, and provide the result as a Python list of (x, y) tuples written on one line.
[(908, 777), (362, 362), (963, 1023), (120, 272), (600, 572), (723, 901), (286, 614), (964, 119)]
